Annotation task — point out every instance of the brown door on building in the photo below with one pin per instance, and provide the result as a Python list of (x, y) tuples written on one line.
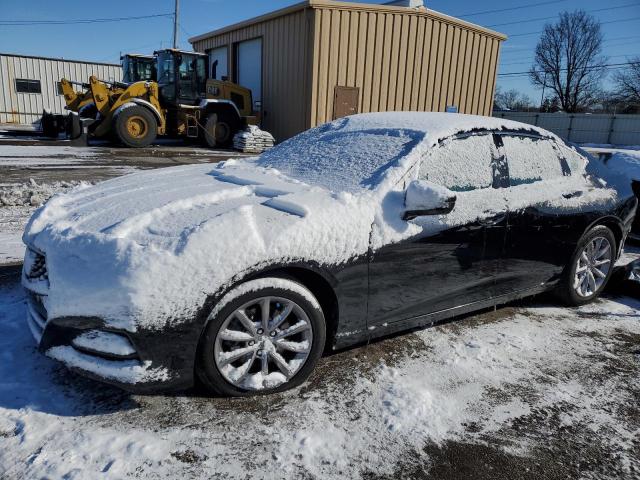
[(345, 101)]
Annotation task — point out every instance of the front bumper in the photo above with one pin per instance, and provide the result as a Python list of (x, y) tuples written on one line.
[(157, 360)]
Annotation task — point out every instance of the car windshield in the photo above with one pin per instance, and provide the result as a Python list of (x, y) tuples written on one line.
[(341, 159)]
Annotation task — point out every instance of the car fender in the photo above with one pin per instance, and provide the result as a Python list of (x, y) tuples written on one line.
[(609, 221), (265, 270)]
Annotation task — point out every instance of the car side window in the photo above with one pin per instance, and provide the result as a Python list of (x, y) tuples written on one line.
[(575, 161), (460, 164), (532, 159)]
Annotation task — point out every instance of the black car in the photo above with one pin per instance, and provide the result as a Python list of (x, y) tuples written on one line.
[(627, 166), (241, 274)]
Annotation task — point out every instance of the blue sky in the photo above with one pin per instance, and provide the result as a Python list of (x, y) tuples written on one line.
[(104, 41)]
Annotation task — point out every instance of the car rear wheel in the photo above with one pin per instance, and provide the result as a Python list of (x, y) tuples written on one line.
[(265, 336), (590, 268)]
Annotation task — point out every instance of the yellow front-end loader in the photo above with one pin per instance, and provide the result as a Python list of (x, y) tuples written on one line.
[(182, 103)]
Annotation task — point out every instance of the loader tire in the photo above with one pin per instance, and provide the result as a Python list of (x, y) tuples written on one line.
[(218, 131), (135, 126)]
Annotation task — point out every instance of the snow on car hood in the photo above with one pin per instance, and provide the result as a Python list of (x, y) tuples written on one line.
[(161, 207), (150, 247)]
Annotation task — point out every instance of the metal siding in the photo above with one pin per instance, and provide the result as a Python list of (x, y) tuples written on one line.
[(493, 77), (27, 107), (398, 58), (453, 68), (286, 60), (401, 76), (423, 91), (410, 61)]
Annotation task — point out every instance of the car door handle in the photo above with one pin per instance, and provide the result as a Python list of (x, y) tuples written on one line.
[(493, 220)]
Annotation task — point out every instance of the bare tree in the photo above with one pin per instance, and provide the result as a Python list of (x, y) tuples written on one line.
[(628, 83), (568, 60), (511, 100)]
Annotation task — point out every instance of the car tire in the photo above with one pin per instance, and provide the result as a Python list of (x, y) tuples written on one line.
[(590, 268), (135, 126), (287, 349)]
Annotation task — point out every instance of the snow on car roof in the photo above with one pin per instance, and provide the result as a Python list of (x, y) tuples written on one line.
[(355, 152), (435, 126)]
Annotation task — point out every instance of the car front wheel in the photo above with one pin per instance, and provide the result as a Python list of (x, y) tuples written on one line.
[(264, 336), (590, 268)]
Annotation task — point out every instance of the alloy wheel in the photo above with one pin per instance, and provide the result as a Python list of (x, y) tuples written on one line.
[(593, 265), (263, 344)]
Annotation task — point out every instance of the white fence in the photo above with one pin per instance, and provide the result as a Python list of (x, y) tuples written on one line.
[(584, 127)]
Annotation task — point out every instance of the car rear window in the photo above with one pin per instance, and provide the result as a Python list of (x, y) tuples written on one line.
[(531, 159), (460, 164)]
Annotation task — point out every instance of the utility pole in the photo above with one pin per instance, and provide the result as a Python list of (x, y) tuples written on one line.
[(544, 85), (175, 24)]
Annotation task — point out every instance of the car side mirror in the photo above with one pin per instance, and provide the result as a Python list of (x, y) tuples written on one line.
[(426, 198)]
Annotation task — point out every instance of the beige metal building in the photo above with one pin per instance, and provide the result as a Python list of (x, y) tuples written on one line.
[(321, 59), (28, 85)]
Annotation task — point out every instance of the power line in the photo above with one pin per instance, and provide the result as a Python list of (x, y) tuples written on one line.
[(601, 23), (508, 51), (555, 16), (499, 10), (519, 77), (513, 74), (19, 23), (533, 58)]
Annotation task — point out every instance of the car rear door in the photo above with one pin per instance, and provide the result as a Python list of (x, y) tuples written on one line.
[(540, 235), (452, 260)]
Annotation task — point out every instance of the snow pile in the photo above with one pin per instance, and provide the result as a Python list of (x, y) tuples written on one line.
[(34, 194), (253, 140)]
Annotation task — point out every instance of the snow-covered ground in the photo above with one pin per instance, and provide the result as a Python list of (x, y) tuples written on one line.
[(54, 168), (528, 391), (536, 390), (17, 204)]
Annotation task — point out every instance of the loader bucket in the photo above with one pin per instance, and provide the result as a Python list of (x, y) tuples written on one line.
[(52, 124), (75, 128)]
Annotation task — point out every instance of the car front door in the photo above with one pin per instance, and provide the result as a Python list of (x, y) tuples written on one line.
[(451, 260), (541, 234)]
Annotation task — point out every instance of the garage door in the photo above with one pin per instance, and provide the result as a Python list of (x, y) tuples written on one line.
[(249, 64)]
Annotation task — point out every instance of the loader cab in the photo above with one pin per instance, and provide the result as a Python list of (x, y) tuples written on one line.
[(138, 68), (182, 76)]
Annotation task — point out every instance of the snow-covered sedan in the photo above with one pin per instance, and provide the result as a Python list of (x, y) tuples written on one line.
[(625, 163), (241, 274)]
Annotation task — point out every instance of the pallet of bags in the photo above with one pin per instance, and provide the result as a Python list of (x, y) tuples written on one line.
[(253, 140)]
